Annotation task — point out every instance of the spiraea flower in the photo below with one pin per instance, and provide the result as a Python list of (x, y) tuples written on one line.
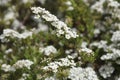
[(78, 73), (106, 70), (22, 64), (111, 56), (116, 36), (14, 34), (61, 27), (7, 68), (66, 62), (48, 50)]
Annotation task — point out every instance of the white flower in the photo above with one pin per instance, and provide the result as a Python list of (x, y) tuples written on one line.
[(14, 34), (8, 51), (24, 76), (68, 3), (98, 6), (107, 57), (116, 36), (84, 44), (50, 78), (48, 50), (62, 62), (106, 70), (78, 73), (42, 27), (70, 8), (26, 34), (86, 50), (96, 32), (61, 27), (68, 51), (42, 1), (111, 56), (17, 25), (9, 16), (101, 44), (7, 68), (22, 63), (67, 36)]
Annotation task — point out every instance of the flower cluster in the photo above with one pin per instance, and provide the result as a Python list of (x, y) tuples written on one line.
[(86, 50), (111, 56), (69, 4), (106, 70), (18, 65), (116, 36), (112, 7), (87, 46), (61, 27), (78, 73), (51, 78), (14, 34), (67, 62), (7, 68), (23, 63), (48, 50), (24, 76)]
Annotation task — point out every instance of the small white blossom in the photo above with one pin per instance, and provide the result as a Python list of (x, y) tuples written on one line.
[(22, 63), (86, 50), (111, 56), (78, 73), (61, 27), (8, 51), (116, 36), (106, 70), (14, 34), (26, 34), (48, 50), (24, 76), (118, 62), (7, 68), (51, 78), (62, 62)]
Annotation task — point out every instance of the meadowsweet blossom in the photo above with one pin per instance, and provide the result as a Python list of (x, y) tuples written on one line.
[(116, 36), (67, 62), (13, 34), (48, 50), (7, 68), (51, 78), (111, 56), (61, 27), (24, 76), (114, 11), (78, 73), (106, 70), (86, 50), (25, 34), (18, 65), (8, 51), (22, 63), (98, 6), (101, 45)]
